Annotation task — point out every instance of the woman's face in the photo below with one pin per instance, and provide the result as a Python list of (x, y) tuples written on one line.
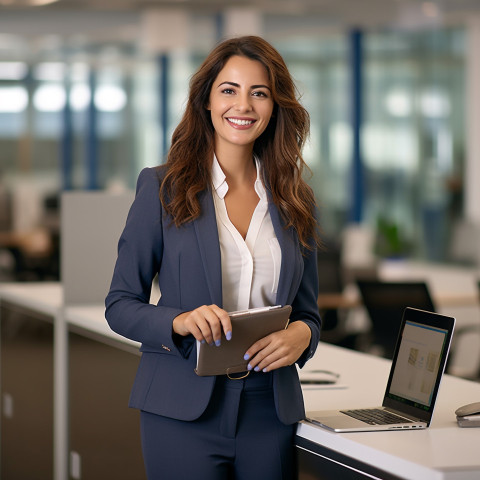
[(240, 103)]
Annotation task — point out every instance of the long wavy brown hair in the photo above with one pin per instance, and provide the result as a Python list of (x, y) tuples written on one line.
[(279, 148)]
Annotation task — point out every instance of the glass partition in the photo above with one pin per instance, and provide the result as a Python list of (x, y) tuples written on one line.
[(94, 114)]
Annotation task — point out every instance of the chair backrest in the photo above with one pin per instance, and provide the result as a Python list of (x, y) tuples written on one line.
[(385, 303), (329, 270)]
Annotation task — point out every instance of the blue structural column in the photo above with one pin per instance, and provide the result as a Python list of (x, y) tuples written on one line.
[(92, 138), (356, 66), (219, 26), (66, 156), (164, 66)]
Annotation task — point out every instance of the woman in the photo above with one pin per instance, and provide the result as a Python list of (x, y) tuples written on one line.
[(226, 224)]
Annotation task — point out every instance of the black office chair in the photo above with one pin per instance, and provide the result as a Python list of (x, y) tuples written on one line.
[(331, 281), (385, 303)]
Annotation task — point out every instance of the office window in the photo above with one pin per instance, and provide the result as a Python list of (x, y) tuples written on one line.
[(412, 134), (320, 70)]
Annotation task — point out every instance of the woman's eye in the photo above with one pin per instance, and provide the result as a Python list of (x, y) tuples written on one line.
[(259, 94), (228, 91)]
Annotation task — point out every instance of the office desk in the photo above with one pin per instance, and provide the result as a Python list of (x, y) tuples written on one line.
[(82, 361), (32, 384), (442, 452), (104, 433)]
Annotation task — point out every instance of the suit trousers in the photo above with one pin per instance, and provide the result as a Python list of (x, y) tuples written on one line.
[(239, 437)]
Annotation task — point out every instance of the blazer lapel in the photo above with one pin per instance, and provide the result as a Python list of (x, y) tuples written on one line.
[(209, 245), (289, 274)]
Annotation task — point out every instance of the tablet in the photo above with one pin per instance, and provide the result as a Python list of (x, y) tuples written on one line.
[(248, 326)]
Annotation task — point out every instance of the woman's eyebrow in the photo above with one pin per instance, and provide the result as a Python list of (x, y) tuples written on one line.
[(233, 84)]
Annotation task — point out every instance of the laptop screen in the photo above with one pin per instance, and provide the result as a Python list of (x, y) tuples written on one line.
[(419, 361)]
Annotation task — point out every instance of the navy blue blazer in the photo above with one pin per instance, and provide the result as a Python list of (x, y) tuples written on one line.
[(187, 261)]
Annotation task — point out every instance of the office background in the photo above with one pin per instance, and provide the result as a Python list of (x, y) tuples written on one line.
[(90, 93)]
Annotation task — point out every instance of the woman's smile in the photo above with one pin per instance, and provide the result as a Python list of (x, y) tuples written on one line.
[(241, 123)]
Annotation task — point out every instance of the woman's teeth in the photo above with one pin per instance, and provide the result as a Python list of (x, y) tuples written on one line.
[(237, 121)]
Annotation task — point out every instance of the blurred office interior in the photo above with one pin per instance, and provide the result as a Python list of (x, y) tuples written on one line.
[(90, 93)]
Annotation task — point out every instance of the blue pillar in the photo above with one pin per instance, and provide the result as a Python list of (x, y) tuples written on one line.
[(219, 26), (356, 65), (164, 66), (92, 138), (66, 156)]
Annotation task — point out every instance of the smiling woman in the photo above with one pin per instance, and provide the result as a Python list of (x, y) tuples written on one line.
[(226, 224)]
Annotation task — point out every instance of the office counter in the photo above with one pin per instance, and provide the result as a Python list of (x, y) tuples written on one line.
[(104, 434), (33, 363), (443, 451), (77, 390), (94, 367)]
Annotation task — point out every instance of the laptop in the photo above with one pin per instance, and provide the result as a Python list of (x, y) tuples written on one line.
[(417, 368)]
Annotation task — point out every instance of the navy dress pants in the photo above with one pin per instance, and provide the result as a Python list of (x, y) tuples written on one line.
[(239, 437)]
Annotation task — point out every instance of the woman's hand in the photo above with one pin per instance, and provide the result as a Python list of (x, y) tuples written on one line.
[(205, 323), (279, 349)]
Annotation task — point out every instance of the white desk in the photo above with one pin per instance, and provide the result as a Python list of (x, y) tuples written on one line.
[(443, 451), (91, 319), (47, 299)]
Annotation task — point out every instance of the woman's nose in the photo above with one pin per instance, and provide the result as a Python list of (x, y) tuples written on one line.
[(243, 103)]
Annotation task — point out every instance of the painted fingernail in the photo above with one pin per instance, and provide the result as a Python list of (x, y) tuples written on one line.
[(264, 370), (228, 335), (218, 343), (203, 341), (249, 367), (246, 356), (257, 368)]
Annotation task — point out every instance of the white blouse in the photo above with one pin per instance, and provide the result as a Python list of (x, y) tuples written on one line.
[(250, 267)]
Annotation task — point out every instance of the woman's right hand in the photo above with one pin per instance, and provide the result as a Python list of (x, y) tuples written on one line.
[(205, 323)]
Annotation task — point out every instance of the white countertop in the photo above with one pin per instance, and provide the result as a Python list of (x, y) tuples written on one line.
[(442, 451), (92, 318), (45, 297)]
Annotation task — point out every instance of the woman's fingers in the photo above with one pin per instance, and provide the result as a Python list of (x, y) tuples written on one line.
[(205, 323), (279, 349)]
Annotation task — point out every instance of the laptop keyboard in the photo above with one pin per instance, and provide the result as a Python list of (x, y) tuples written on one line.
[(375, 416)]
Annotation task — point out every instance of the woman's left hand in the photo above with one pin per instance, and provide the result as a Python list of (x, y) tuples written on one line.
[(279, 349)]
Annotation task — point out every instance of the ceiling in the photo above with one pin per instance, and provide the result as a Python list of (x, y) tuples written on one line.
[(117, 20), (339, 8)]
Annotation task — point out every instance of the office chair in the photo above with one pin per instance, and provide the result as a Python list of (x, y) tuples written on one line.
[(331, 281), (385, 303)]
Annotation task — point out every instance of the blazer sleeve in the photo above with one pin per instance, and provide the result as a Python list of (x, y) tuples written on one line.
[(305, 306), (140, 247)]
